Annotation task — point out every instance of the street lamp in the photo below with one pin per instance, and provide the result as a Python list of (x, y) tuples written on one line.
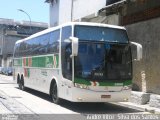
[(28, 17)]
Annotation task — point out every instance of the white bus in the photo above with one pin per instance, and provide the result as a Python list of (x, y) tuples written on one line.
[(77, 61)]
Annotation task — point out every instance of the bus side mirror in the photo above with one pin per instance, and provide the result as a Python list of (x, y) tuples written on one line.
[(74, 41), (139, 50)]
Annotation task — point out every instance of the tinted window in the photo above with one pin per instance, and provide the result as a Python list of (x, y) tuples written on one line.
[(22, 49), (44, 44), (101, 34), (66, 52), (16, 52), (66, 32), (53, 46)]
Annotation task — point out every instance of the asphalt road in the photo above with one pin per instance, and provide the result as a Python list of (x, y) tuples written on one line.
[(31, 104)]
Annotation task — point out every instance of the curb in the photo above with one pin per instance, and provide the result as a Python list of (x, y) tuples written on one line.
[(144, 108)]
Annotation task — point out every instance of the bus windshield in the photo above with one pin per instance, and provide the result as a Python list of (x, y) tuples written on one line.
[(101, 34), (107, 57), (103, 61)]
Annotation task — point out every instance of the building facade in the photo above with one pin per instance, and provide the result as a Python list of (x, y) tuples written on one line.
[(10, 32), (62, 11), (142, 20)]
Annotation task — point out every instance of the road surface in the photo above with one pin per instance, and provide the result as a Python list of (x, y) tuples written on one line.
[(33, 103)]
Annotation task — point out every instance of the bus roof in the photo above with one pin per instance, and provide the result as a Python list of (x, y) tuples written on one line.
[(72, 24)]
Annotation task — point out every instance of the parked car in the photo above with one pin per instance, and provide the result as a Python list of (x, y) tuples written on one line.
[(7, 71), (1, 68)]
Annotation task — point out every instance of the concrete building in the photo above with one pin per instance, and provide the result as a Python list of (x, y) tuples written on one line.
[(142, 20), (62, 11), (10, 32)]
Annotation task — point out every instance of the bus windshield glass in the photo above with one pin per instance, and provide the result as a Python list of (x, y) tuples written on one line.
[(101, 34), (103, 60)]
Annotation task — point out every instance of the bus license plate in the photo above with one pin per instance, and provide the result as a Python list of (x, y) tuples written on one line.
[(105, 96)]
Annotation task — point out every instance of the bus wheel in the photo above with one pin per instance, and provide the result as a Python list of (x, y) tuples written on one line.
[(54, 94), (21, 83), (18, 79)]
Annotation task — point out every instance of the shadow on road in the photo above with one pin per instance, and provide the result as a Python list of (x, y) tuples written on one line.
[(97, 108), (86, 108)]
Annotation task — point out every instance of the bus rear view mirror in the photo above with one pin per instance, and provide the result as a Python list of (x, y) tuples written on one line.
[(139, 50), (74, 41)]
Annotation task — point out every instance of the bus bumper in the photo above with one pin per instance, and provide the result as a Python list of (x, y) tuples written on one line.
[(83, 95)]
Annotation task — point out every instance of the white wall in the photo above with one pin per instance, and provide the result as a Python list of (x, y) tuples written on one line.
[(65, 11), (54, 14), (61, 12), (84, 8)]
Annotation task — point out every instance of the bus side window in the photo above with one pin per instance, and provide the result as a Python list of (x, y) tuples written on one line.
[(35, 44), (16, 54), (53, 46), (42, 46), (66, 52), (22, 49)]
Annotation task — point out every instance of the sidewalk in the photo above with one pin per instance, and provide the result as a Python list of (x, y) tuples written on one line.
[(3, 108), (6, 79), (145, 108), (9, 105)]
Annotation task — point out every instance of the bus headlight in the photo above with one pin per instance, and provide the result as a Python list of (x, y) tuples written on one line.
[(129, 87), (82, 86)]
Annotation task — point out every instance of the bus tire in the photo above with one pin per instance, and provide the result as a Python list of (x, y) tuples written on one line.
[(54, 94), (18, 79), (21, 83)]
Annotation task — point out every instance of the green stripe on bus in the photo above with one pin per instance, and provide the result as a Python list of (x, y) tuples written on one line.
[(43, 61), (38, 61), (107, 83), (127, 82), (82, 81), (17, 62)]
